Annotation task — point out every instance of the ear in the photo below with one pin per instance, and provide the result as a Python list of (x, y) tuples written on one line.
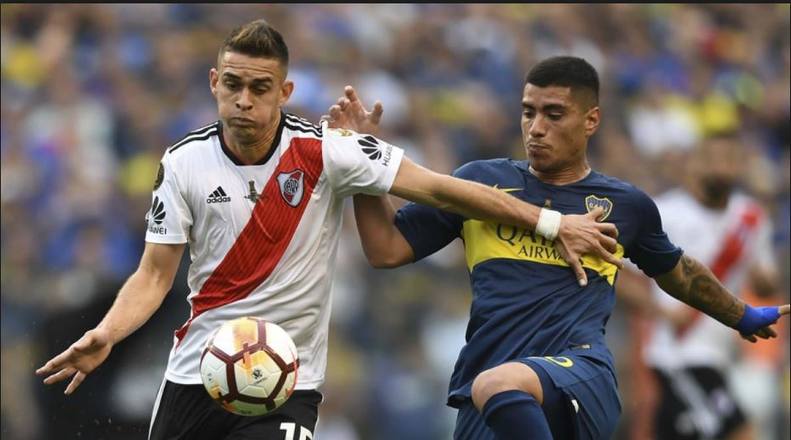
[(285, 92), (592, 120), (214, 79)]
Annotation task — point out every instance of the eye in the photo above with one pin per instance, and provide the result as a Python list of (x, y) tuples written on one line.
[(231, 85), (260, 90), (529, 114), (555, 116)]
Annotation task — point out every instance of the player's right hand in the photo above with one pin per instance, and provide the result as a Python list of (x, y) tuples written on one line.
[(78, 360), (350, 113), (583, 234)]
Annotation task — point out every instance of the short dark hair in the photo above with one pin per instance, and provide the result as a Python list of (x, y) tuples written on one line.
[(566, 71), (256, 39)]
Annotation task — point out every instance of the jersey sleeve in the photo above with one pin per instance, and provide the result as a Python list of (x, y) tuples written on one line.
[(169, 219), (652, 250), (428, 229), (356, 163)]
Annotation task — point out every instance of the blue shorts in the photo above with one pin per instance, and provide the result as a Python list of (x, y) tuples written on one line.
[(580, 400)]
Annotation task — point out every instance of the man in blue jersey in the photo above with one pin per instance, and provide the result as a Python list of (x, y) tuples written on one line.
[(535, 364)]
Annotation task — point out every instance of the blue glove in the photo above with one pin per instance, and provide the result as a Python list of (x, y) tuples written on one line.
[(756, 318)]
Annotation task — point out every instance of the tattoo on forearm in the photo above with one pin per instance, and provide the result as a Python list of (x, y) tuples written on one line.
[(702, 290)]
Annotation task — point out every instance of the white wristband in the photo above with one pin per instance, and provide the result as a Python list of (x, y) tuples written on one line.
[(548, 223)]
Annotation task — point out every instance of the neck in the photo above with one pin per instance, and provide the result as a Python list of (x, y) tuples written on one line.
[(563, 176), (252, 151)]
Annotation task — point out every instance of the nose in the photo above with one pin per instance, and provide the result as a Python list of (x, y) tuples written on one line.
[(537, 128), (244, 102)]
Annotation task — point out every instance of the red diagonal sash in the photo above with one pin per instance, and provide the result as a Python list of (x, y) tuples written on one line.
[(264, 239)]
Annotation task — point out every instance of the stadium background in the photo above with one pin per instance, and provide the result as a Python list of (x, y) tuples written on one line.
[(92, 94)]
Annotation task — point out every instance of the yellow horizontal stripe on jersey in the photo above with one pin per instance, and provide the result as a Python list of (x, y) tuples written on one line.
[(486, 241)]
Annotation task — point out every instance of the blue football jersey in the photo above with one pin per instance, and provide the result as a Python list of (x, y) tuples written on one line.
[(526, 300)]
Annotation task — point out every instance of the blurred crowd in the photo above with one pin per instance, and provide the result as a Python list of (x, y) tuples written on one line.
[(93, 94)]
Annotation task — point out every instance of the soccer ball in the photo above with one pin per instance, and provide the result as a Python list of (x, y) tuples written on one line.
[(249, 366)]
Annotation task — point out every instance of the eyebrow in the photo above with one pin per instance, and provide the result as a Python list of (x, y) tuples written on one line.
[(256, 81), (546, 108)]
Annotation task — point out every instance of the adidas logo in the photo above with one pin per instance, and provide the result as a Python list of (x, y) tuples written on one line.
[(370, 147), (218, 196)]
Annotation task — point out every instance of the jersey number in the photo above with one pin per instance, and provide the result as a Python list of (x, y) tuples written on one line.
[(291, 428)]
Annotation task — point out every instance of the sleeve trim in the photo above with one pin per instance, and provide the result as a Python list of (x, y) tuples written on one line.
[(392, 168), (166, 239)]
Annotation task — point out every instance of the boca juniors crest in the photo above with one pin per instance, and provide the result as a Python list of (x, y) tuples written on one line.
[(592, 202), (292, 186)]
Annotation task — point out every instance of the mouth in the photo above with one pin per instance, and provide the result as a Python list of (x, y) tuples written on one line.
[(245, 122), (534, 148)]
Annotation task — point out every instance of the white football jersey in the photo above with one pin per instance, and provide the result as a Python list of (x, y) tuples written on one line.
[(263, 237), (729, 242)]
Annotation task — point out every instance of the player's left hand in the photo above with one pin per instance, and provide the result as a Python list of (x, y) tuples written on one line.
[(350, 113), (757, 321), (584, 234)]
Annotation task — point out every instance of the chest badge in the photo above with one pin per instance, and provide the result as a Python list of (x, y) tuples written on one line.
[(592, 202), (253, 194), (292, 186)]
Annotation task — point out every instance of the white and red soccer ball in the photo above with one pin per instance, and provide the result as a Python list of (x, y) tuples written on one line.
[(249, 366)]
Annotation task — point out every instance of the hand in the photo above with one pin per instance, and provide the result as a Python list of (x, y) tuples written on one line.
[(582, 234), (757, 322), (78, 360), (350, 113)]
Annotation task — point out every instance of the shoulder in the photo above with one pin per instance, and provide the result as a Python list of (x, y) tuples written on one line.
[(744, 200), (193, 143), (347, 149), (625, 192), (748, 207), (676, 199), (195, 137), (297, 126), (615, 184), (485, 170), (619, 186)]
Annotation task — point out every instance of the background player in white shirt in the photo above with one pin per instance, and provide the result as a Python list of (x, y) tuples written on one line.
[(689, 352), (258, 197)]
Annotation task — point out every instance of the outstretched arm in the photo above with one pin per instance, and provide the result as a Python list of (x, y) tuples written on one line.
[(478, 201), (693, 283), (382, 242), (138, 299), (574, 235)]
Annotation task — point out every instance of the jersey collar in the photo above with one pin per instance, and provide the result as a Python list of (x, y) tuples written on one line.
[(524, 166), (265, 159)]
